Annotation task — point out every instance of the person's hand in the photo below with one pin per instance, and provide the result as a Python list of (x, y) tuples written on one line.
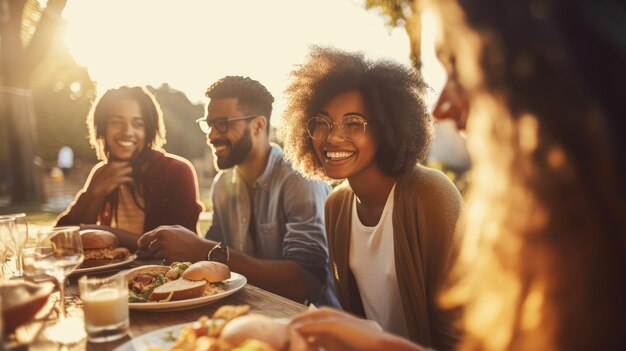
[(334, 330), (174, 244), (110, 176)]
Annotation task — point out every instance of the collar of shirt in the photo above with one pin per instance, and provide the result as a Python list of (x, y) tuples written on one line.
[(264, 180)]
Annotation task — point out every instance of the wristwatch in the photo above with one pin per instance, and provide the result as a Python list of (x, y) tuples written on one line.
[(219, 254)]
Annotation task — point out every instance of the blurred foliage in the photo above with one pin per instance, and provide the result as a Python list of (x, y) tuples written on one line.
[(395, 11), (184, 138), (403, 13), (63, 93)]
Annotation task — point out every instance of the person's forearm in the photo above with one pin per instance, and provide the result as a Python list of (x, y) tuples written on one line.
[(392, 342), (282, 277)]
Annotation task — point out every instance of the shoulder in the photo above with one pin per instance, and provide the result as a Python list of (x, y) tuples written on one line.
[(289, 177), (340, 193), (95, 169), (294, 183), (165, 165), (97, 166), (173, 161), (430, 192), (426, 182), (220, 181)]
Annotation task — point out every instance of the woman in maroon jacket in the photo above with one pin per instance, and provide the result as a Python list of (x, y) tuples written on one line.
[(134, 188)]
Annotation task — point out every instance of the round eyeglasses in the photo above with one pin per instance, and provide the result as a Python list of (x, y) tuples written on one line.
[(351, 127), (220, 124)]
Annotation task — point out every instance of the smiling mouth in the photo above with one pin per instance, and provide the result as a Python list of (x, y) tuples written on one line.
[(338, 155), (125, 143), (219, 148)]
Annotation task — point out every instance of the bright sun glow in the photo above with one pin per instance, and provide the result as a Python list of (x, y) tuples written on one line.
[(190, 44)]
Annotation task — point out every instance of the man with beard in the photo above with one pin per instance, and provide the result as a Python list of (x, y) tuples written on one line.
[(269, 216)]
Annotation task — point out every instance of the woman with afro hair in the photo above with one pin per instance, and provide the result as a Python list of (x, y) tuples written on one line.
[(391, 223)]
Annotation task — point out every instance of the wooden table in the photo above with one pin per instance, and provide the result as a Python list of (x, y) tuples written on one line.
[(142, 322)]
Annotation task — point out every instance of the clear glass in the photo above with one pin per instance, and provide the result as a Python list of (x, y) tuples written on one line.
[(58, 252), (15, 242), (105, 304), (6, 228)]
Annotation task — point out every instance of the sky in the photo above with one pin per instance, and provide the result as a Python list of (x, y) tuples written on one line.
[(189, 44)]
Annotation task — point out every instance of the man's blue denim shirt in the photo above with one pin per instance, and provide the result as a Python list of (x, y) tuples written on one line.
[(289, 219)]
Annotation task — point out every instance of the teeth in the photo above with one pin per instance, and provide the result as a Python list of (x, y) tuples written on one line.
[(219, 148), (125, 143), (338, 155)]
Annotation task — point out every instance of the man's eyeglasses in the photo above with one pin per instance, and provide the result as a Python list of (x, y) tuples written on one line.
[(220, 124), (351, 127)]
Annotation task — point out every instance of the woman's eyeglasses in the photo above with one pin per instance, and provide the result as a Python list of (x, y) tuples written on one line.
[(351, 127), (220, 124)]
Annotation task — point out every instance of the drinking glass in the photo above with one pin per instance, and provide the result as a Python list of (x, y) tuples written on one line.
[(6, 229), (105, 304), (16, 240), (58, 252)]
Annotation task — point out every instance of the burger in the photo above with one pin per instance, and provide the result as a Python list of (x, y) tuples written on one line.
[(101, 248)]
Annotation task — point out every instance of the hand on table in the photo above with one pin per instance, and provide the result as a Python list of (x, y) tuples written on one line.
[(174, 244), (334, 330)]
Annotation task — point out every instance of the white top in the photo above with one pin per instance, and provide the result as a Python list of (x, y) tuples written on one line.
[(373, 266)]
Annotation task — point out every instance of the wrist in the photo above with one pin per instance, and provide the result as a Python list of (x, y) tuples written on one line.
[(204, 252)]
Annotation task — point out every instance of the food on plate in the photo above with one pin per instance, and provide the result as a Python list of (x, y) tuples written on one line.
[(209, 271), (200, 279), (101, 248), (143, 280), (180, 281), (232, 328)]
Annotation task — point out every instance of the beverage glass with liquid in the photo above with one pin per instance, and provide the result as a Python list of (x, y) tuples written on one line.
[(105, 304)]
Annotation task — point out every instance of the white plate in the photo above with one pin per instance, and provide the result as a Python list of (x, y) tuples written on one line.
[(161, 338), (130, 259), (231, 285)]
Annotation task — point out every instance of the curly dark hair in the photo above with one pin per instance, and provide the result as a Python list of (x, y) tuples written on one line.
[(393, 96), (100, 114), (252, 96)]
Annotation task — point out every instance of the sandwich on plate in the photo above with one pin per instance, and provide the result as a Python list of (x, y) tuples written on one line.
[(180, 281), (101, 248)]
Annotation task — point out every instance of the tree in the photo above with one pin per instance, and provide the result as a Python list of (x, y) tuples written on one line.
[(403, 13), (62, 93), (27, 33), (184, 138)]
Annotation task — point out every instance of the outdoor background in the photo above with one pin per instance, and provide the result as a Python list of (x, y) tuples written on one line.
[(177, 49)]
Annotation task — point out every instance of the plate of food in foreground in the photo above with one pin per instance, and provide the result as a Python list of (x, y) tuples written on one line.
[(230, 328), (181, 285), (102, 252)]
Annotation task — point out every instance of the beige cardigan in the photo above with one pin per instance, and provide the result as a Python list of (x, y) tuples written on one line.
[(426, 208)]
